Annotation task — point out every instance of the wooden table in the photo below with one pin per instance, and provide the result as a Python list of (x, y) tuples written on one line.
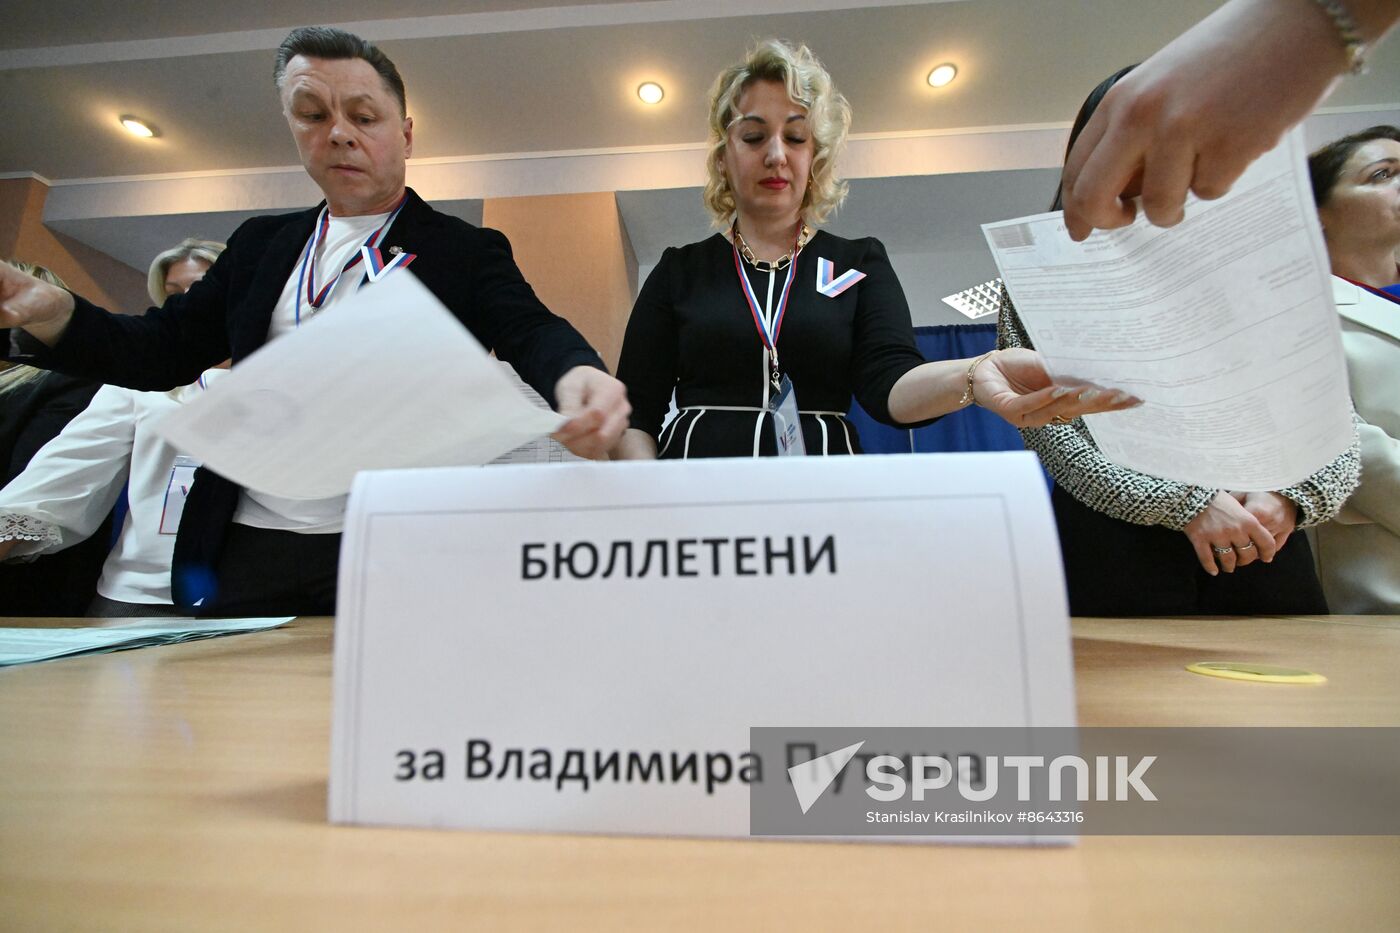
[(184, 788)]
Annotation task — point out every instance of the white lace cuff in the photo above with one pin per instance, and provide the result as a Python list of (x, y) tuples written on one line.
[(35, 533)]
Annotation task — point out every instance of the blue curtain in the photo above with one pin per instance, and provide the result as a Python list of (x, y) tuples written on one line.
[(969, 429)]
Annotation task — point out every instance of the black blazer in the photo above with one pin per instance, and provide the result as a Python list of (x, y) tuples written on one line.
[(62, 583), (34, 413), (228, 312)]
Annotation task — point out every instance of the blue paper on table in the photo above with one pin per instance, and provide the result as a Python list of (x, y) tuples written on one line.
[(26, 645)]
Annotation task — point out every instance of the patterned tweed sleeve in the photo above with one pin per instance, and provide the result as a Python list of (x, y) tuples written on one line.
[(1321, 496)]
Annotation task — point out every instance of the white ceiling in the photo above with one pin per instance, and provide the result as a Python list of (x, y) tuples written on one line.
[(533, 96), (527, 87), (47, 23)]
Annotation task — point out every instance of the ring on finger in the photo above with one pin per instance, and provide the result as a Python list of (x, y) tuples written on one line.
[(1059, 419), (1222, 550), (1245, 547)]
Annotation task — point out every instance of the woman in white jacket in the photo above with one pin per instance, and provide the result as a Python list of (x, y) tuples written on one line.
[(72, 483), (1356, 182)]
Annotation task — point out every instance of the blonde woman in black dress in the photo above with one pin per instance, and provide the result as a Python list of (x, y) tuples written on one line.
[(724, 322)]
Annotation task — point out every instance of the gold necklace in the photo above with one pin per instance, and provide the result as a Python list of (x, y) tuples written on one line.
[(804, 233)]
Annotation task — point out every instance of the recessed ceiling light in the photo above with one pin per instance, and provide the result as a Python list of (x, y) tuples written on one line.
[(138, 127), (650, 93), (943, 75)]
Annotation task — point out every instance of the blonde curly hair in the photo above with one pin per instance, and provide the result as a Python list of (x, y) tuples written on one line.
[(809, 86)]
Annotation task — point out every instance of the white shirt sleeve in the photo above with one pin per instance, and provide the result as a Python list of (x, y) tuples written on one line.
[(74, 480)]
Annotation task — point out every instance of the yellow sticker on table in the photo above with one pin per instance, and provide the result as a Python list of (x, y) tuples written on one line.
[(1259, 673)]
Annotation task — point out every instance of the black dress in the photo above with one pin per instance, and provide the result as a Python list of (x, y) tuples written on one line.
[(62, 583), (692, 332), (1115, 568)]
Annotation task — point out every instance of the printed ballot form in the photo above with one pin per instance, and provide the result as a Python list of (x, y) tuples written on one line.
[(389, 378), (1223, 325), (585, 648)]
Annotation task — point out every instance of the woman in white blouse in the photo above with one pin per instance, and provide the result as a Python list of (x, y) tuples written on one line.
[(1356, 183), (72, 483)]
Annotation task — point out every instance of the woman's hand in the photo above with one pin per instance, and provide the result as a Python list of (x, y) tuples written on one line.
[(1015, 385), (1228, 535), (1279, 514), (634, 445)]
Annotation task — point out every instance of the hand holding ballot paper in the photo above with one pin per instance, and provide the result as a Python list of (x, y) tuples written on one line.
[(301, 417), (1223, 325)]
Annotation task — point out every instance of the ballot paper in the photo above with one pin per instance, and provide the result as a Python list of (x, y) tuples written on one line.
[(27, 645), (1223, 325), (389, 378), (542, 449)]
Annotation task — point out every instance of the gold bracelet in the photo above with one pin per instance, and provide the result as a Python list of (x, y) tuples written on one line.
[(1349, 32), (967, 393)]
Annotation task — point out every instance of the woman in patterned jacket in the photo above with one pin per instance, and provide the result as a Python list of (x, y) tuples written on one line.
[(1135, 544)]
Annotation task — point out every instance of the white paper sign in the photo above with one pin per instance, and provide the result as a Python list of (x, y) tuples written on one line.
[(805, 591), (1223, 325)]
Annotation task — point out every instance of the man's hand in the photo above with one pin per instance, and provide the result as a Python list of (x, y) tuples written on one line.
[(40, 308), (597, 408), (1198, 112)]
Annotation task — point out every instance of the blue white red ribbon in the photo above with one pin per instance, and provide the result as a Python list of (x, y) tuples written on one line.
[(832, 286), (768, 330), (306, 276), (375, 266)]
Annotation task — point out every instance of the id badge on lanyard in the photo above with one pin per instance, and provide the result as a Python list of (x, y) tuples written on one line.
[(787, 422), (181, 476), (782, 400)]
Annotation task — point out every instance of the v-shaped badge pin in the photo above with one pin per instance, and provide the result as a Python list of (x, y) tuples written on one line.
[(376, 267), (831, 287)]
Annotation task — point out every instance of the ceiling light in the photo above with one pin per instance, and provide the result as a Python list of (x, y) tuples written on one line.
[(943, 75), (650, 93), (138, 127)]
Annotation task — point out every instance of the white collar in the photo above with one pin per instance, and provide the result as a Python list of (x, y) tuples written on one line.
[(1369, 310)]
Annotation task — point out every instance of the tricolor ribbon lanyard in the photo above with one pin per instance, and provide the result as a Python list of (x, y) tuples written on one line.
[(768, 329), (306, 276)]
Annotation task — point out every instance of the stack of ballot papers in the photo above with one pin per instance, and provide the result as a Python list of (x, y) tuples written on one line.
[(27, 645), (541, 449)]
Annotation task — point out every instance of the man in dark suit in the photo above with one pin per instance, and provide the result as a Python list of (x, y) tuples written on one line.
[(241, 551)]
